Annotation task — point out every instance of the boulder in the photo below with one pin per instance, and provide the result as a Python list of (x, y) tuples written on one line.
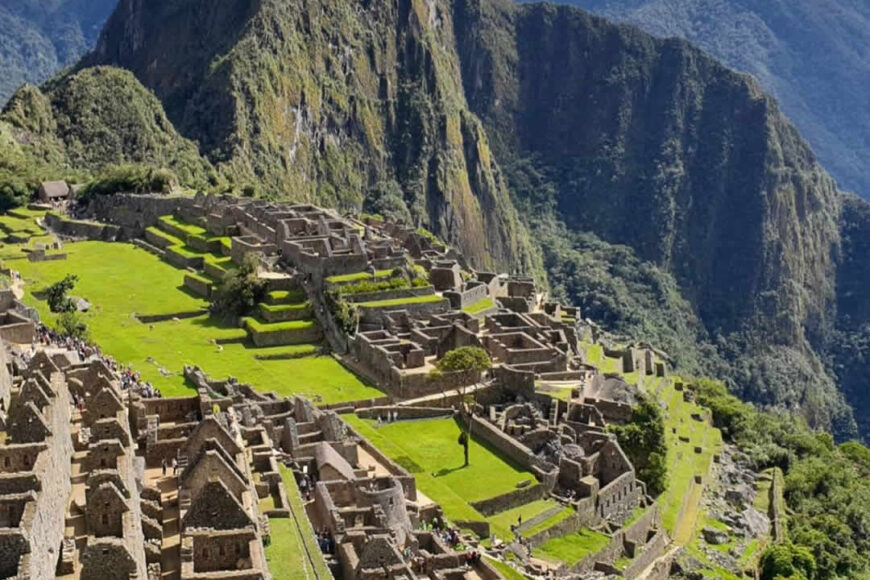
[(714, 536)]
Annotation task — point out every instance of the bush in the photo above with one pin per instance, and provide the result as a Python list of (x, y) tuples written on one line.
[(56, 294), (344, 313), (240, 290), (787, 561)]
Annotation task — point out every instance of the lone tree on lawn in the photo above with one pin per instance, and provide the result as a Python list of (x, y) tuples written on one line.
[(58, 301), (469, 362)]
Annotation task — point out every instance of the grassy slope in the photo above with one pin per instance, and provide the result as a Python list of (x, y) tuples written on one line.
[(119, 279)]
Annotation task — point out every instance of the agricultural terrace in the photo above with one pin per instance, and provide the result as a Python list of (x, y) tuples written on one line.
[(429, 450), (122, 281)]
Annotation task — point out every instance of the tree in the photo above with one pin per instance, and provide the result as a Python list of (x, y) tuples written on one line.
[(58, 301), (240, 291), (643, 440), (787, 561), (470, 362)]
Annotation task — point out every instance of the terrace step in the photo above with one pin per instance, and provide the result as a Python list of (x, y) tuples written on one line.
[(284, 312), (541, 517), (150, 248), (276, 297)]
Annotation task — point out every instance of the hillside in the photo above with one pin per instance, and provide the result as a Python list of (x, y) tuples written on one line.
[(40, 37), (664, 193), (328, 102), (811, 55)]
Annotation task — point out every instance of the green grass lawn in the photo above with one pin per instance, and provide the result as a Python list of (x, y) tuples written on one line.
[(572, 548), (430, 451), (262, 326), (286, 554), (401, 301), (120, 279), (479, 306)]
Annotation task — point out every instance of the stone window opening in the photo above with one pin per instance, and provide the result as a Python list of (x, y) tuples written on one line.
[(26, 461), (205, 553), (6, 461), (105, 519)]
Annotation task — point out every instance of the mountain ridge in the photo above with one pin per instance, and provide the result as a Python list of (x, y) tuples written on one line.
[(811, 55)]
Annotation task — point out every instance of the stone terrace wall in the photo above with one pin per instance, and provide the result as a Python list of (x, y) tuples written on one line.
[(82, 229), (510, 500), (135, 212)]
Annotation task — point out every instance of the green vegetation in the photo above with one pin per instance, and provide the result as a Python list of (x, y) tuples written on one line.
[(40, 38), (572, 548), (787, 561), (479, 306), (119, 279), (359, 276), (827, 488), (643, 440), (56, 294), (438, 470), (509, 572), (400, 301)]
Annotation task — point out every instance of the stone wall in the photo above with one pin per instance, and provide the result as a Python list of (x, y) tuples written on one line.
[(82, 229), (388, 294), (135, 212), (510, 500), (283, 337)]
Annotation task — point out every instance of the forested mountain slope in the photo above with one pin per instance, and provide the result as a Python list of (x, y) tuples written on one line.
[(40, 37), (666, 194), (813, 55)]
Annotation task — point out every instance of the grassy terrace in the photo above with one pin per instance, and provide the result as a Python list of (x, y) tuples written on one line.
[(437, 465), (401, 301), (347, 278), (293, 541), (190, 229), (572, 548), (479, 306), (262, 326), (120, 280)]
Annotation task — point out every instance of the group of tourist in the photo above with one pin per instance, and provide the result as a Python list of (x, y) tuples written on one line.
[(130, 379), (326, 542)]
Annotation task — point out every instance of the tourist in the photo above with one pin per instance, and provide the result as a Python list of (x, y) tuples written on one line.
[(163, 465), (174, 466)]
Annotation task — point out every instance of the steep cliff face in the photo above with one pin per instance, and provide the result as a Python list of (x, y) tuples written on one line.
[(652, 144), (810, 54), (325, 101)]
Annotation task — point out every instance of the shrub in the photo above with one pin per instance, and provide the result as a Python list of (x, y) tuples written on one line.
[(344, 313)]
